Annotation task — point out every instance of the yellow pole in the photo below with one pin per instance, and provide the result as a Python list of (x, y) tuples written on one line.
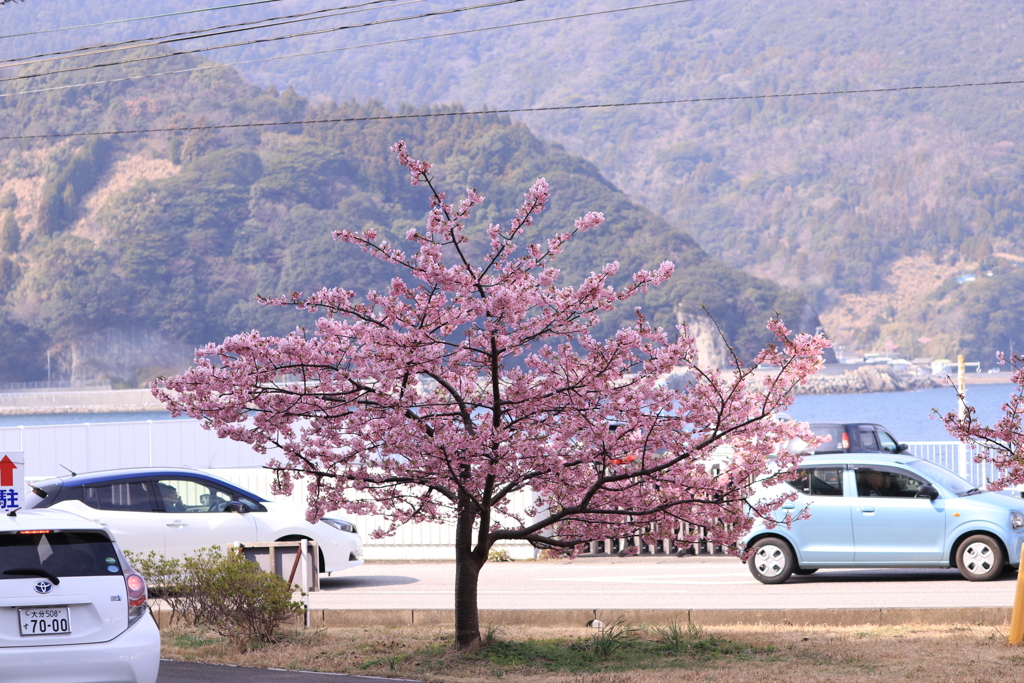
[(1017, 618)]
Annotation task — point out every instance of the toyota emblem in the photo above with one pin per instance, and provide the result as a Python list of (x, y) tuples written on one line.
[(43, 587)]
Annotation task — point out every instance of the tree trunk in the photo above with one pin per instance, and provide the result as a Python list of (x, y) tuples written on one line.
[(467, 574)]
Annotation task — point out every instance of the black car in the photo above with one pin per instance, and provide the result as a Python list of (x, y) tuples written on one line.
[(857, 437)]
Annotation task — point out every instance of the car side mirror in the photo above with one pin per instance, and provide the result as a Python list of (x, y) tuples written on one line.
[(236, 506), (900, 448), (925, 490)]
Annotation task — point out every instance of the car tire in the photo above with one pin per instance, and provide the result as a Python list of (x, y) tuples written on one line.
[(771, 561), (804, 572), (979, 558)]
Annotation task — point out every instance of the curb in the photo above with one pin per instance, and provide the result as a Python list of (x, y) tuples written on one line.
[(884, 616)]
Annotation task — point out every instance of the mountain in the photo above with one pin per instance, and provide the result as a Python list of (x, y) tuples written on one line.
[(120, 253), (846, 197), (879, 207)]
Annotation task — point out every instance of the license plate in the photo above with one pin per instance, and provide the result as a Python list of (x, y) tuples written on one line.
[(44, 621)]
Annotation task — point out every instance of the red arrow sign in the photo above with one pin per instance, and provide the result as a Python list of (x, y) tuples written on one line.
[(7, 468)]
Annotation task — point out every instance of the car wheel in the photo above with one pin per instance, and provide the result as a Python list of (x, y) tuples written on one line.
[(771, 561), (804, 572), (979, 558)]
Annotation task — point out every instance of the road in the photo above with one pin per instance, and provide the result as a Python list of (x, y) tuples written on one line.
[(187, 672), (653, 583)]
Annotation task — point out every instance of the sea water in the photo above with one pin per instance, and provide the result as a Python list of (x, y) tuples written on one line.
[(908, 415)]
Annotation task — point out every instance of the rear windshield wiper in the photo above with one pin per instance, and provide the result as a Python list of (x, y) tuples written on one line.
[(34, 571)]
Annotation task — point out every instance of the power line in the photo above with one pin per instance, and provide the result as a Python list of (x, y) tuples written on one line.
[(377, 22), (137, 43), (523, 110), (349, 47), (124, 21)]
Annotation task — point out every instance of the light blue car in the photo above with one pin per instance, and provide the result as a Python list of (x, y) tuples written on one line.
[(881, 510)]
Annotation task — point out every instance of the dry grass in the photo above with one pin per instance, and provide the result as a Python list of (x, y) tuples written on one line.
[(751, 653)]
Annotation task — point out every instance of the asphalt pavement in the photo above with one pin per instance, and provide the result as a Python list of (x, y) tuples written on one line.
[(188, 672), (657, 582)]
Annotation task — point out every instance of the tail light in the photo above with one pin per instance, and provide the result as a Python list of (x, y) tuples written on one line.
[(846, 442), (136, 595)]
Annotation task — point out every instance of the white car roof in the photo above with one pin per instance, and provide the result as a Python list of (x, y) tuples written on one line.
[(35, 519)]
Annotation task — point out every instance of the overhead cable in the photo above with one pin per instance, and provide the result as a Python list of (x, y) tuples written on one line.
[(522, 110), (256, 41), (124, 21), (196, 34), (349, 47)]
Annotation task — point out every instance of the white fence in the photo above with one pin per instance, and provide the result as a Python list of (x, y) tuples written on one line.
[(184, 443), (53, 450)]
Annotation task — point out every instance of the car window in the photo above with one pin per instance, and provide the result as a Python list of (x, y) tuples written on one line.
[(191, 495), (819, 481), (835, 433), (827, 481), (886, 483), (867, 438), (889, 444), (61, 553), (133, 496)]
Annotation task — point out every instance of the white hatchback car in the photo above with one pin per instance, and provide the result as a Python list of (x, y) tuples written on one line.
[(175, 512), (72, 610)]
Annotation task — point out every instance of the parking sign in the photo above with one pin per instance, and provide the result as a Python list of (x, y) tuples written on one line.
[(12, 480)]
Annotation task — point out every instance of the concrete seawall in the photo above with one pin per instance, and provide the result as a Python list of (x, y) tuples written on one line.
[(862, 380), (85, 401)]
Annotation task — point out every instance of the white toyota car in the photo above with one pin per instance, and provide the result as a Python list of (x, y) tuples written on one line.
[(72, 610), (175, 512)]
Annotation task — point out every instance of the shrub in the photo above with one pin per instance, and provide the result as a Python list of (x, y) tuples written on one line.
[(225, 593), (242, 602), (499, 555)]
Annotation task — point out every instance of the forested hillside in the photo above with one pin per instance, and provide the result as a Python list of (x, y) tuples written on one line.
[(843, 196), (165, 238)]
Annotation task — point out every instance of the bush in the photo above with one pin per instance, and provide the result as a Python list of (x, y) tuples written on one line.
[(225, 593), (246, 603)]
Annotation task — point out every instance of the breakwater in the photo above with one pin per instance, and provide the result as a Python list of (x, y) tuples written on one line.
[(867, 379)]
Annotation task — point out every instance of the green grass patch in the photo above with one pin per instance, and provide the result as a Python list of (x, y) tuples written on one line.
[(192, 641), (617, 647)]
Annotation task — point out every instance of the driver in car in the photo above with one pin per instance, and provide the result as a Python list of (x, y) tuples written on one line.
[(172, 501), (876, 483)]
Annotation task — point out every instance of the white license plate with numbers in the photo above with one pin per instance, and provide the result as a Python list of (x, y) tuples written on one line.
[(44, 621)]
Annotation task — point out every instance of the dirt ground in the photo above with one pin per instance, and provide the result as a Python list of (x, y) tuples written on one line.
[(962, 653)]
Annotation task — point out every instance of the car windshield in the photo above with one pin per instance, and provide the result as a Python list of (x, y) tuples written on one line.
[(57, 553), (950, 481)]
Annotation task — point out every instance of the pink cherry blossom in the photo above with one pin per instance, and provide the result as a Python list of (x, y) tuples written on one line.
[(472, 379), (1002, 443)]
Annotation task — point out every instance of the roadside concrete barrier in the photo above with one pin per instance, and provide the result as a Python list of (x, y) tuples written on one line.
[(357, 618)]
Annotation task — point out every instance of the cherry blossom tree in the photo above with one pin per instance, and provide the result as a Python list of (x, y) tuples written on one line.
[(477, 379), (1002, 443)]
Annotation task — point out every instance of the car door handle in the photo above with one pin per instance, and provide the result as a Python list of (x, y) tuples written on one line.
[(868, 511), (176, 525), (788, 506)]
